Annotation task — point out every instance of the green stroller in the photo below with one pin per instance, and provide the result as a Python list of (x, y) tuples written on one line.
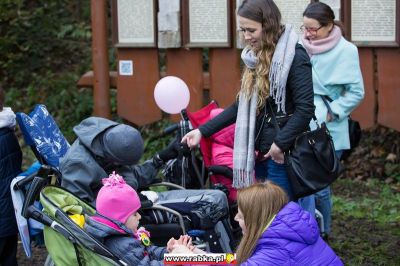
[(65, 240), (69, 244)]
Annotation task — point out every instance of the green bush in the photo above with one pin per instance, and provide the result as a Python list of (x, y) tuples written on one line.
[(45, 47)]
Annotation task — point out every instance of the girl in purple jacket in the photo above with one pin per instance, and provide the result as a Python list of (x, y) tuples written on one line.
[(276, 232)]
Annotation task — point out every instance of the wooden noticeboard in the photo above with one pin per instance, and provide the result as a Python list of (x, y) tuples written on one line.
[(206, 23), (372, 22), (292, 12), (134, 23)]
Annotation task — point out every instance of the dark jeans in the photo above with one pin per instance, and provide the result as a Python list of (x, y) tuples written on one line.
[(8, 250), (272, 171)]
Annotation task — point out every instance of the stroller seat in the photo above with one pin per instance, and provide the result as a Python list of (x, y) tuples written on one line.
[(219, 166), (42, 134), (69, 244)]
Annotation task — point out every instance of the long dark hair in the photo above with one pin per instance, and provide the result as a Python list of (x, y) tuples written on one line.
[(322, 13), (267, 13)]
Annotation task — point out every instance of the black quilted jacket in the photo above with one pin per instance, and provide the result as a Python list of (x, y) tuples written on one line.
[(299, 108), (10, 167)]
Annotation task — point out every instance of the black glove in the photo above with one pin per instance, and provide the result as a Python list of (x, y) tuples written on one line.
[(167, 154), (170, 152), (184, 149), (175, 149)]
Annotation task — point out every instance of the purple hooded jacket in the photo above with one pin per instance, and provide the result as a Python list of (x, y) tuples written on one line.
[(292, 239)]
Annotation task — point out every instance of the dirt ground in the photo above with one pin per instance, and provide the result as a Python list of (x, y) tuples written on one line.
[(361, 241), (39, 255)]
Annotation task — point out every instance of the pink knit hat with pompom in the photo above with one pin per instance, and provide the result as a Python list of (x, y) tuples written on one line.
[(116, 199)]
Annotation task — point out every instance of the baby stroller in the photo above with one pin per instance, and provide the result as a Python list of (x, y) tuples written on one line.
[(42, 134), (70, 245), (188, 170), (40, 139), (217, 151)]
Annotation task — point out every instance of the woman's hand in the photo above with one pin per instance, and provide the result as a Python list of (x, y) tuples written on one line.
[(276, 154), (329, 117), (192, 139)]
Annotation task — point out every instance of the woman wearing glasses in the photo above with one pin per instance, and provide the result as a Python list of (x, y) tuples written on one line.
[(337, 79)]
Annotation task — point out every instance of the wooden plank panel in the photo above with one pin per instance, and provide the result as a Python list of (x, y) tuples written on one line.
[(86, 80), (365, 113), (224, 75), (389, 87), (186, 64), (224, 68), (135, 94)]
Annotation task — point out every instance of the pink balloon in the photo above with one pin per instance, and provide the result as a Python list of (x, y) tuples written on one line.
[(171, 94)]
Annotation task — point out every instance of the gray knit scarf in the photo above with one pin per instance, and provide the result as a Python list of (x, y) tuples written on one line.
[(243, 155)]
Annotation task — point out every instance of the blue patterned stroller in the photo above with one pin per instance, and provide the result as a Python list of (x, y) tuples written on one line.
[(42, 134)]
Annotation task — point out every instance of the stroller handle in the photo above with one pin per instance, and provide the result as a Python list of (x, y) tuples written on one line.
[(34, 213), (172, 128), (45, 171), (40, 180)]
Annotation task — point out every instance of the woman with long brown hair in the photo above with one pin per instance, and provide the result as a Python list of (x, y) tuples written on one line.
[(277, 73), (276, 232)]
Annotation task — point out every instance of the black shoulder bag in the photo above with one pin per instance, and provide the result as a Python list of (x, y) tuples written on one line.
[(354, 129), (312, 163)]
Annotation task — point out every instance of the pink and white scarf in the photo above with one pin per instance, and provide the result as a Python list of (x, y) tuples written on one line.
[(323, 45)]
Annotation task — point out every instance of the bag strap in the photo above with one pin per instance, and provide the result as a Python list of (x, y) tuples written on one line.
[(325, 99), (276, 125), (120, 225)]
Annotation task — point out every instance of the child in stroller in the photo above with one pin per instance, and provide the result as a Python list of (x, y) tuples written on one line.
[(116, 225)]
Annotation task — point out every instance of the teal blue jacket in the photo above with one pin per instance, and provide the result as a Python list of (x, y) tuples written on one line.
[(337, 74)]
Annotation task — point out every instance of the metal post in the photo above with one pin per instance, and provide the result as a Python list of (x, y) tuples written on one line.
[(101, 79)]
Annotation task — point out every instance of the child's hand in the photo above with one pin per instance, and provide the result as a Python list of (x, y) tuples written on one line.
[(181, 249), (171, 243), (183, 245), (197, 250), (185, 240)]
